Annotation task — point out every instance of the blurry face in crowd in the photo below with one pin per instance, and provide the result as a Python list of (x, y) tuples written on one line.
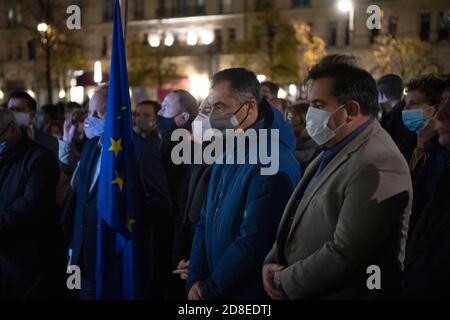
[(415, 99), (170, 108), (443, 119), (147, 112), (297, 120), (145, 118), (341, 119), (55, 130), (23, 113), (265, 92), (223, 102)]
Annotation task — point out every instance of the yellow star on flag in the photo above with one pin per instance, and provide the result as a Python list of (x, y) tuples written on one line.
[(116, 146), (118, 180), (130, 223)]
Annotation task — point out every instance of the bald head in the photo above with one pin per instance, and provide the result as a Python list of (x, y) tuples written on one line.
[(97, 103)]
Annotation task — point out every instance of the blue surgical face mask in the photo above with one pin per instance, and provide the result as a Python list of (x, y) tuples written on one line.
[(96, 126), (415, 120)]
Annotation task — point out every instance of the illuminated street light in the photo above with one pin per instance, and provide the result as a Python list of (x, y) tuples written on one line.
[(192, 38), (347, 6), (261, 77), (98, 72), (45, 31), (169, 40), (282, 94), (199, 85), (62, 94), (154, 41), (206, 37), (42, 27), (31, 93), (293, 90)]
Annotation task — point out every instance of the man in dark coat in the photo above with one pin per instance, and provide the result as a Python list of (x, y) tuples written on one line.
[(153, 198), (31, 255), (178, 110)]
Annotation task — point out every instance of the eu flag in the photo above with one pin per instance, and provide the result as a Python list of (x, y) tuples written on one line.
[(116, 272)]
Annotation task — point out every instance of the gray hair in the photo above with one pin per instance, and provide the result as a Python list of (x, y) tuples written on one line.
[(6, 117), (244, 84)]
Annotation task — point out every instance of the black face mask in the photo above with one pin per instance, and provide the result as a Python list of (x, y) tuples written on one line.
[(166, 126)]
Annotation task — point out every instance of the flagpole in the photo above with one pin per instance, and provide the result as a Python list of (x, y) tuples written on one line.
[(124, 4)]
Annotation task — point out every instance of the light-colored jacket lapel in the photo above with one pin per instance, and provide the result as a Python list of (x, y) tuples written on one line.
[(334, 165)]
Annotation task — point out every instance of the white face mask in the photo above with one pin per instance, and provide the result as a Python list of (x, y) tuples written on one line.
[(22, 118), (201, 121), (317, 125)]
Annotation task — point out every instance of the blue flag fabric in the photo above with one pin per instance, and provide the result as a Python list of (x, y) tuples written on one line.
[(116, 271)]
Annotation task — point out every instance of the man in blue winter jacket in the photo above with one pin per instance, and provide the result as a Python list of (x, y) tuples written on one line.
[(245, 200)]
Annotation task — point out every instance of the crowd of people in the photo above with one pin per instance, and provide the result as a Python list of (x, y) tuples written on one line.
[(363, 180)]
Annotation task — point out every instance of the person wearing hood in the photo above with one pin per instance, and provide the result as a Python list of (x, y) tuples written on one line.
[(349, 214), (239, 219), (145, 124)]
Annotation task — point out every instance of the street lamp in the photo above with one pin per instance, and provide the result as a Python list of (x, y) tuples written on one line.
[(98, 72), (42, 27), (206, 37), (191, 38), (347, 6), (45, 30), (154, 41)]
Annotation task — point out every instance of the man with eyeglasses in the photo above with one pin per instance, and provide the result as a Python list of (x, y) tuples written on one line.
[(31, 252), (349, 214), (240, 216)]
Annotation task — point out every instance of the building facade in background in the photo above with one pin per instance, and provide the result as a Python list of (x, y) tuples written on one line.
[(202, 31)]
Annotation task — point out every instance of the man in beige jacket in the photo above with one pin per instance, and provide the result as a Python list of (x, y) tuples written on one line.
[(343, 232)]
